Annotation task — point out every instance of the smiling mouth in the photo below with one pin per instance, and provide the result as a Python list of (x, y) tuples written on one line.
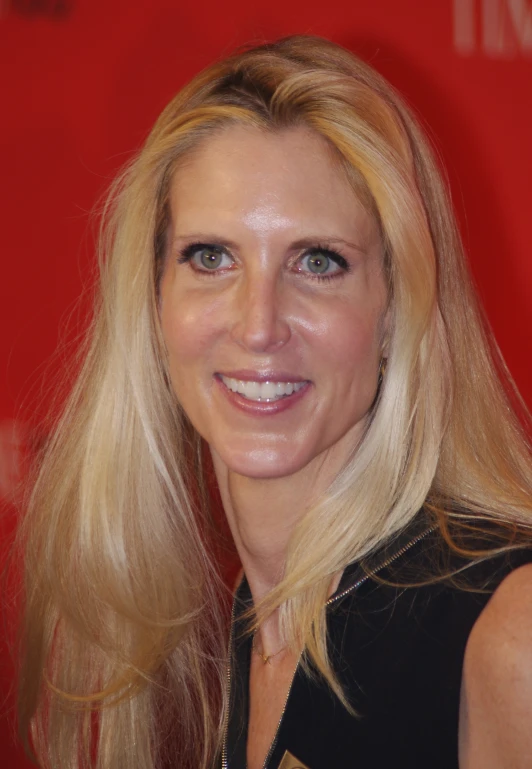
[(262, 392)]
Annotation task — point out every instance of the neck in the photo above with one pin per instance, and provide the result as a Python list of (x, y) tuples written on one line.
[(262, 515)]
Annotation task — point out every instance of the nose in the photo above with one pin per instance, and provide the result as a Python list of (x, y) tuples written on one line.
[(261, 325)]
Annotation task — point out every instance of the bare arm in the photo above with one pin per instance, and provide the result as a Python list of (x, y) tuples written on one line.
[(496, 699)]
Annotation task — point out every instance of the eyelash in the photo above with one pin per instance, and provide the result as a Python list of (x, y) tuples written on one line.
[(188, 253)]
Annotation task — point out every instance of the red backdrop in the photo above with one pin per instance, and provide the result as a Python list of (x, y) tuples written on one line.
[(83, 80)]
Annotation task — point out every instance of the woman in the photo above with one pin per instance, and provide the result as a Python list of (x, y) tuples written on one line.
[(283, 295)]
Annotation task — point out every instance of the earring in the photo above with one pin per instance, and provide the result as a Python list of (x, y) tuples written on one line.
[(382, 371)]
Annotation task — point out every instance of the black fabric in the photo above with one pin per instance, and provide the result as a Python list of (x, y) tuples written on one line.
[(398, 651)]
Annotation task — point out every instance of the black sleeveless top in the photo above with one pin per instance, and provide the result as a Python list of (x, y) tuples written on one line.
[(398, 652)]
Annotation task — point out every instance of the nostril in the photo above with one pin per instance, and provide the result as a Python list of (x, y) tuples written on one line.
[(260, 326)]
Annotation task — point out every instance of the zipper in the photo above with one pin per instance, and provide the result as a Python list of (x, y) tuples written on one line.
[(398, 553), (384, 565), (225, 727)]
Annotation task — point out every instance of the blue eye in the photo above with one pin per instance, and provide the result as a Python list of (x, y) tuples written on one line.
[(321, 261), (205, 258), (210, 258)]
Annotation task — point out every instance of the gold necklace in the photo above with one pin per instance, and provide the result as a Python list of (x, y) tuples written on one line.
[(264, 657)]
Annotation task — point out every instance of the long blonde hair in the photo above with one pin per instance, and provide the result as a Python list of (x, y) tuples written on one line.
[(126, 621)]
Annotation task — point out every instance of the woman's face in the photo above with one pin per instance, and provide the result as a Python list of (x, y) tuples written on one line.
[(272, 301)]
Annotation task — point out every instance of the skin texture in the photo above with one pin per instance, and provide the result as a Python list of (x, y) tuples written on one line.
[(264, 194), (263, 199), (266, 198), (496, 701), (261, 311)]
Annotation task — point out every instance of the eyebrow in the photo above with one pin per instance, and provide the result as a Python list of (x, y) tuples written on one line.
[(309, 241), (330, 240), (203, 237)]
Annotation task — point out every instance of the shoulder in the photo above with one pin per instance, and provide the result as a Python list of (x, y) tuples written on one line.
[(501, 638), (496, 700)]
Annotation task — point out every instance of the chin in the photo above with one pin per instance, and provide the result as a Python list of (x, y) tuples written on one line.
[(262, 463)]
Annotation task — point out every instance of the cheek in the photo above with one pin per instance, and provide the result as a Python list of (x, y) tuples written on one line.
[(350, 340), (189, 329), (187, 342)]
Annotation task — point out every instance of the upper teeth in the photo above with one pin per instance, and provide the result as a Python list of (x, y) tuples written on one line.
[(261, 391)]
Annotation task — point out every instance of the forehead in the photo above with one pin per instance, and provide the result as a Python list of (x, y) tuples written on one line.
[(293, 175)]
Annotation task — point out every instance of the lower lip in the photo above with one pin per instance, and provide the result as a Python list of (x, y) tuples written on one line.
[(260, 408)]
